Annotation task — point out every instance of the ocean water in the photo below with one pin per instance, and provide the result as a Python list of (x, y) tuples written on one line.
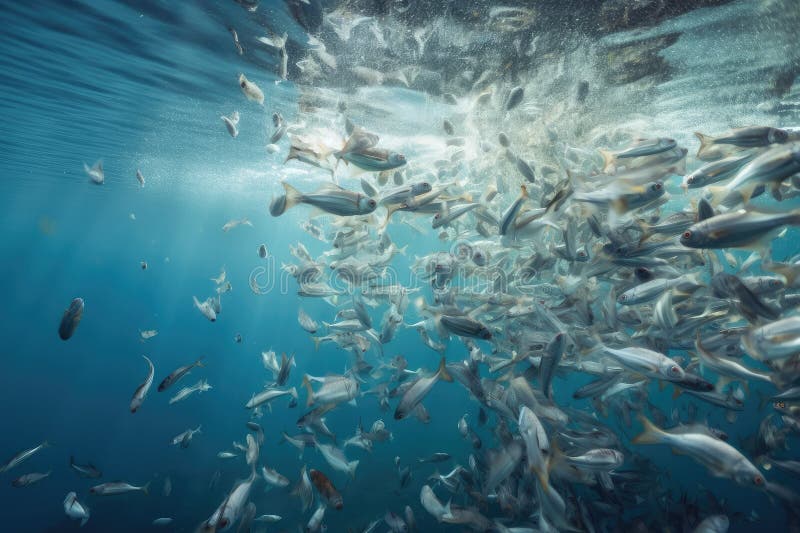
[(142, 85)]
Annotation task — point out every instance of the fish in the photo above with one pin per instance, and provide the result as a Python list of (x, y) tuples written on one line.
[(513, 210), (336, 459), (140, 177), (87, 471), (748, 137), (141, 391), (330, 199), (231, 123), (268, 395), (639, 148), (26, 480), (118, 487), (200, 386), (75, 509), (164, 521), (178, 373), (251, 91), (515, 98), (417, 392), (71, 318), (206, 308), (326, 489), (432, 504), (96, 173), (148, 334), (738, 229), (234, 223), (184, 439), (720, 458)]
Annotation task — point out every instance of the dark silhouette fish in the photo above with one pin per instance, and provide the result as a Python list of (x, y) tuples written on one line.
[(71, 319)]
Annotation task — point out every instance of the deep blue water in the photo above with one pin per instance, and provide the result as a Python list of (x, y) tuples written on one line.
[(142, 85)]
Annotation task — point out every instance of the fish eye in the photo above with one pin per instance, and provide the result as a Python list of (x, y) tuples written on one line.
[(372, 203), (657, 186), (690, 179), (675, 369), (437, 216), (243, 84), (687, 235), (758, 480), (775, 283)]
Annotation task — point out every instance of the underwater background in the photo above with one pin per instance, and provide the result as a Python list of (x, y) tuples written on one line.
[(141, 85)]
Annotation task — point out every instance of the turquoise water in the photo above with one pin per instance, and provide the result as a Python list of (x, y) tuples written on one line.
[(142, 86)]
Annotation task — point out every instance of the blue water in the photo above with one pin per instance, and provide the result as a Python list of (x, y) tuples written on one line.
[(142, 85)]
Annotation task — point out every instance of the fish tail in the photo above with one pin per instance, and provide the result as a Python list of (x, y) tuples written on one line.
[(293, 196), (309, 390), (389, 212), (199, 361), (291, 155), (608, 160), (293, 392), (705, 142), (443, 373), (146, 488), (651, 434), (317, 342)]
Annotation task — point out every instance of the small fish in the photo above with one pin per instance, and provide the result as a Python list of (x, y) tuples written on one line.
[(118, 487), (71, 318), (331, 199), (177, 374), (162, 521), (75, 509), (417, 392), (231, 123), (233, 223), (87, 471), (141, 391), (96, 173), (514, 98), (29, 479), (262, 251), (752, 136), (206, 308), (140, 177), (251, 90), (148, 333)]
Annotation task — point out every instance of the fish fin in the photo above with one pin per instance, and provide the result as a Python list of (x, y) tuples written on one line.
[(351, 468), (83, 521), (651, 434), (146, 488), (448, 513), (608, 161), (317, 341), (719, 193), (293, 392), (443, 373), (309, 390), (199, 362), (676, 392), (293, 196), (705, 142), (523, 191)]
